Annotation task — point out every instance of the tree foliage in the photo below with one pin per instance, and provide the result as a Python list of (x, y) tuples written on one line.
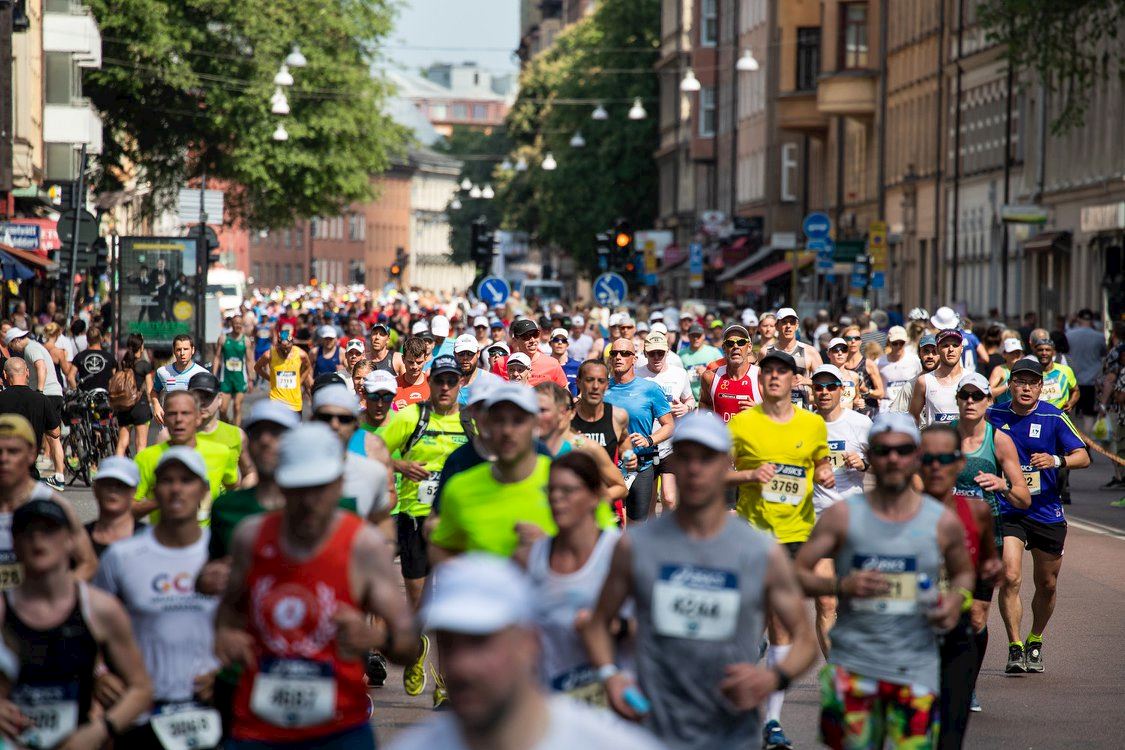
[(1070, 45), (607, 57), (185, 87), (481, 153)]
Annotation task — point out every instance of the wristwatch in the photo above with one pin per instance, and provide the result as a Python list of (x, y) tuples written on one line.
[(606, 671)]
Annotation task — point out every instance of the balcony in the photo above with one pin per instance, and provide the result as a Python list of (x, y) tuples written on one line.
[(847, 92), (75, 32), (798, 111), (74, 123)]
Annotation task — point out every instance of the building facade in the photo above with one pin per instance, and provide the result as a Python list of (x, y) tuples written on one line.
[(462, 94), (433, 183)]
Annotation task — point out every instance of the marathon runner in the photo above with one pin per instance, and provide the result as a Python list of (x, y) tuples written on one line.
[(355, 351), (696, 354), (870, 382), (413, 382), (56, 631), (206, 388), (175, 375), (734, 386), (1045, 442), (379, 350), (114, 486), (378, 390), (326, 356), (701, 582), (934, 397), (287, 369), (676, 385), (851, 397), (779, 451), (366, 479), (293, 615), (1060, 388), (890, 547), (233, 364), (467, 352), (898, 368), (525, 335), (998, 379), (560, 344)]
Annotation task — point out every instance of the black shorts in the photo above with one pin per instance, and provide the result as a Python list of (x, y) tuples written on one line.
[(412, 547), (982, 591), (1087, 402), (56, 403), (664, 467), (1046, 537), (141, 413)]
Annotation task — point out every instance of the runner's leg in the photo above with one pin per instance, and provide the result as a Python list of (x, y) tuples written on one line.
[(1011, 607), (1046, 574), (825, 607)]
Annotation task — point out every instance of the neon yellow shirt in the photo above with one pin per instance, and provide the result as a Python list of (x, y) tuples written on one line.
[(443, 435), (1058, 384), (222, 469), (783, 505), (285, 378), (479, 513), (226, 435)]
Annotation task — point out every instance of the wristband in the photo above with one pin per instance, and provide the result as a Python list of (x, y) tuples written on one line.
[(606, 671), (966, 599), (782, 679)]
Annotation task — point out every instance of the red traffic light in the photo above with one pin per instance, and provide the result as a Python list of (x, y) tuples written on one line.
[(396, 270), (623, 239)]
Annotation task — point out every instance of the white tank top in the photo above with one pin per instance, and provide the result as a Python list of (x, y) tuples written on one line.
[(896, 377), (941, 402)]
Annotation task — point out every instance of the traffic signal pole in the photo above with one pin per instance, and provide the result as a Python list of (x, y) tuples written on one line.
[(201, 268), (68, 284)]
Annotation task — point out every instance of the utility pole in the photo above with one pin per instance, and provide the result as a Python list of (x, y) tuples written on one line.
[(6, 13), (201, 267), (79, 200)]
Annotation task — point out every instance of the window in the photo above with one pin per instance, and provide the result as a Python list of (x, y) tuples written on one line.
[(707, 115), (438, 111), (709, 26), (808, 58), (287, 238), (480, 112), (314, 227), (63, 81), (460, 112), (853, 35), (357, 229)]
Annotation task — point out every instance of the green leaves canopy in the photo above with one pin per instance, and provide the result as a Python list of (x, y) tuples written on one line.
[(185, 86)]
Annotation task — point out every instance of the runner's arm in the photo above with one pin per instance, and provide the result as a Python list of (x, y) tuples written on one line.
[(40, 374), (612, 480), (787, 602), (373, 565), (990, 564), (705, 381), (232, 643), (306, 371), (1018, 493), (121, 651), (262, 366), (248, 473), (824, 541), (664, 431), (217, 360), (597, 635), (958, 566), (918, 398), (877, 389), (621, 422), (996, 382)]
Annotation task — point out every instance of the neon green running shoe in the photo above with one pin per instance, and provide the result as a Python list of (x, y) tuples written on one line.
[(1118, 503), (414, 676), (441, 695)]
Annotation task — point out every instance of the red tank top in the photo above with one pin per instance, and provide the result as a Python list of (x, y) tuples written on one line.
[(729, 396), (972, 531), (300, 690)]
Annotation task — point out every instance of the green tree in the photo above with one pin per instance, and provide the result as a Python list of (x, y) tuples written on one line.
[(185, 87), (481, 153), (607, 57), (1070, 45)]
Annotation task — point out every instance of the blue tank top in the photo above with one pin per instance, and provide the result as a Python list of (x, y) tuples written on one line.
[(326, 364)]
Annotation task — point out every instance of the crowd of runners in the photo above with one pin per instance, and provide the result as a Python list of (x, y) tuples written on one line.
[(572, 526)]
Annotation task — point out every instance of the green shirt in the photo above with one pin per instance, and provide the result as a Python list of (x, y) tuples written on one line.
[(705, 356), (479, 513), (443, 435), (236, 506), (222, 470), (1058, 384)]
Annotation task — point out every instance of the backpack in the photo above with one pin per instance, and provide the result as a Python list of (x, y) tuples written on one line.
[(123, 393)]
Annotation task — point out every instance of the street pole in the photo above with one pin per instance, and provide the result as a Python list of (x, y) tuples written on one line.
[(6, 11), (80, 192), (201, 267)]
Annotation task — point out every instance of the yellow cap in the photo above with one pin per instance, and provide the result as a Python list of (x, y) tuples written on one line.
[(13, 425)]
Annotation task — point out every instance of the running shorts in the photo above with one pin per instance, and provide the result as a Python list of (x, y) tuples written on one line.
[(862, 712), (1046, 537)]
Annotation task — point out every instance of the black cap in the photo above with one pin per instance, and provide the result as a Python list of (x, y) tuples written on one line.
[(779, 356), (445, 363), (204, 381), (696, 328), (523, 326), (1043, 341), (544, 321), (1026, 365), (324, 379), (38, 510), (381, 324)]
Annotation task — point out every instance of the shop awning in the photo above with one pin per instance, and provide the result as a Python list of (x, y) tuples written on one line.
[(736, 270), (1048, 242), (757, 281), (35, 260)]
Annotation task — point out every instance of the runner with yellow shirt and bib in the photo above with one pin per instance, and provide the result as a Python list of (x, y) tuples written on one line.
[(287, 369), (779, 452), (213, 430)]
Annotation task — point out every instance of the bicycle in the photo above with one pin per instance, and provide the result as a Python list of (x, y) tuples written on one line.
[(91, 434)]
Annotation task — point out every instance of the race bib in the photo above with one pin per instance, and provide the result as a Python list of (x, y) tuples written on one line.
[(902, 575), (294, 693), (695, 603), (789, 485), (894, 389), (848, 396), (1052, 390), (1033, 479), (234, 364), (427, 488), (581, 684), (836, 454), (52, 711), (286, 380), (945, 417), (187, 726)]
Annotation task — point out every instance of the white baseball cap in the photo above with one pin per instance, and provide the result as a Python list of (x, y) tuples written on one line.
[(419, 327), (895, 421), (309, 455), (481, 321), (560, 332), (837, 342), (945, 318), (832, 370), (189, 458), (1012, 345), (336, 395), (326, 332), (14, 333), (478, 594), (897, 333), (439, 326), (482, 387), (379, 381), (659, 328), (519, 358), (120, 468), (268, 410), (578, 321), (356, 345), (498, 344), (466, 342), (614, 320), (655, 315), (976, 380), (787, 312), (705, 428), (514, 393)]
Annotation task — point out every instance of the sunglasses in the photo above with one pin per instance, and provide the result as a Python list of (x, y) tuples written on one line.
[(971, 396), (838, 348), (830, 387), (906, 449), (381, 396), (559, 340), (736, 342), (622, 353), (945, 459), (330, 418), (529, 335), (853, 338)]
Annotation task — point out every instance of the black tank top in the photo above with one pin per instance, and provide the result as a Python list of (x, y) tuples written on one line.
[(601, 432), (56, 672), (387, 364), (871, 405)]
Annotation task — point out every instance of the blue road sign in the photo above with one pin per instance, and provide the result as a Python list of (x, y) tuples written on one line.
[(493, 291), (816, 225), (859, 280), (610, 289), (878, 280), (818, 246), (825, 265)]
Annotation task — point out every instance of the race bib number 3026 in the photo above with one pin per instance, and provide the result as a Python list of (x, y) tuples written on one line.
[(695, 602)]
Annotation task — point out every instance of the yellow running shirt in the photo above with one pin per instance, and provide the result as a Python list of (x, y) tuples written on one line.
[(285, 378), (222, 469), (783, 505), (480, 514)]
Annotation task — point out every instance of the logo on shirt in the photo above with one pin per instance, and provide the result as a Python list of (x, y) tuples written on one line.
[(1035, 429), (180, 583)]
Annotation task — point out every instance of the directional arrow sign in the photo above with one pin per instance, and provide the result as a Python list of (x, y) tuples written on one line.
[(610, 289), (816, 225), (493, 291)]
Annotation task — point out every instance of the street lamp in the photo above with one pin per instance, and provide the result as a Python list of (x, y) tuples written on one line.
[(466, 184), (549, 163), (599, 113), (637, 111), (690, 84), (283, 77), (521, 164), (488, 193), (577, 141), (746, 64), (475, 191), (506, 165), (296, 59), (281, 134), (279, 105), (455, 204)]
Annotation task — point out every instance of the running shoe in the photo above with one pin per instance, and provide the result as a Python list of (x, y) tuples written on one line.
[(1035, 656), (441, 695), (376, 669), (55, 483), (974, 704), (414, 676), (773, 737), (1118, 503), (1113, 484), (1017, 660)]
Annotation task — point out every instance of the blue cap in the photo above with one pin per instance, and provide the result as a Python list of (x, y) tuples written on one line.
[(497, 324), (928, 340), (445, 363)]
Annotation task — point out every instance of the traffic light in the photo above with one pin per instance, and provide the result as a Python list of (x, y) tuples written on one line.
[(482, 243), (100, 260), (399, 265), (623, 251)]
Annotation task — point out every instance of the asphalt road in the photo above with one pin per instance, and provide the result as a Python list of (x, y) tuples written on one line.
[(1075, 703)]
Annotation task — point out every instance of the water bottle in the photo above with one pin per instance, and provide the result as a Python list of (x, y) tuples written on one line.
[(626, 456), (637, 700), (927, 596)]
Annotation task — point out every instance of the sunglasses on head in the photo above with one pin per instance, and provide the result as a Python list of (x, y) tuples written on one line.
[(945, 459), (330, 418), (830, 387), (905, 449), (736, 342), (967, 395)]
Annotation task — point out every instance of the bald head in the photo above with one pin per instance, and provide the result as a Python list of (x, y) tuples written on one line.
[(15, 371)]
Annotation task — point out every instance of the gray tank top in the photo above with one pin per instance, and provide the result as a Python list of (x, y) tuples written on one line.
[(699, 608), (888, 638)]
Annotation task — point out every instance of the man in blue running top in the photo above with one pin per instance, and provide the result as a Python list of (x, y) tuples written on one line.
[(1046, 441)]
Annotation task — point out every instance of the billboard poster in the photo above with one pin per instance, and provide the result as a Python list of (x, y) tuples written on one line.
[(158, 287)]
